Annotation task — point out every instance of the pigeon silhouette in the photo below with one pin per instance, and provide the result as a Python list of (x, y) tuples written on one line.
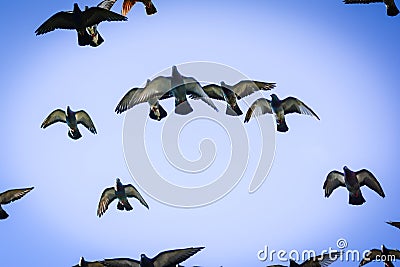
[(169, 258), (353, 181), (122, 193), (280, 108), (391, 8), (72, 119), (10, 196), (383, 254), (79, 20)]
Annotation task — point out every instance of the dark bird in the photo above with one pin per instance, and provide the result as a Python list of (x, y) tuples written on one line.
[(79, 20), (161, 88), (148, 4), (280, 108), (96, 38), (384, 254), (391, 8), (84, 263), (10, 196), (122, 193), (353, 181), (317, 261), (395, 224), (72, 119), (169, 258), (230, 94)]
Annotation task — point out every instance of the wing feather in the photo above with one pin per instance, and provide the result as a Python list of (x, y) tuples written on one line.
[(370, 256), (259, 107), (333, 181), (83, 118), (248, 87), (294, 105), (95, 15), (131, 191), (13, 194), (121, 262), (106, 198), (171, 258), (57, 115), (61, 20), (365, 177)]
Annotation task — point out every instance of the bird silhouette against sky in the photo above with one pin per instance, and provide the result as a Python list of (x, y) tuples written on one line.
[(9, 196), (148, 4), (391, 8), (384, 254)]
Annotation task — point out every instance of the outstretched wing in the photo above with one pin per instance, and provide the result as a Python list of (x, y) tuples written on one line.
[(365, 177), (194, 89), (333, 181), (214, 91), (131, 191), (13, 194), (57, 115), (171, 258), (106, 198), (259, 107), (95, 15), (395, 224), (322, 260), (106, 4), (127, 6), (370, 256), (83, 118), (247, 87), (121, 262), (294, 105), (61, 20)]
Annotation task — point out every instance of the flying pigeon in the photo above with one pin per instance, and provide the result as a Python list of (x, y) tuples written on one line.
[(128, 4), (230, 94), (84, 263), (317, 261), (79, 20), (161, 88), (280, 108), (352, 181), (395, 224), (169, 258), (10, 196), (391, 8), (72, 119), (96, 38), (122, 192), (384, 254)]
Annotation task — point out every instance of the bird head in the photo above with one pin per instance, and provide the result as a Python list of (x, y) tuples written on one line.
[(82, 261), (345, 168), (274, 97), (76, 7), (118, 181), (223, 83)]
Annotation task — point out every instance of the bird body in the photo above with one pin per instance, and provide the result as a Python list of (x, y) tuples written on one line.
[(72, 119), (10, 196), (353, 181)]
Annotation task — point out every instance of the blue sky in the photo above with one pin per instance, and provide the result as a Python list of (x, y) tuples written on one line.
[(342, 61)]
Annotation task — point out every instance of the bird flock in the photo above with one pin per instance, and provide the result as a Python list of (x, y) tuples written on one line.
[(180, 87)]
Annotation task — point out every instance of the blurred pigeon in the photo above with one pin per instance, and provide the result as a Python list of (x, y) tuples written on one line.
[(10, 196), (229, 94), (84, 263), (317, 261), (352, 181), (72, 119), (128, 4), (395, 224), (96, 38), (79, 20), (122, 193), (161, 88), (280, 108), (169, 258), (384, 254), (391, 8)]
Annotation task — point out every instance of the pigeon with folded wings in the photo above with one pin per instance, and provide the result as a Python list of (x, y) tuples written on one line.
[(391, 8), (280, 108), (72, 119), (9, 196), (353, 181)]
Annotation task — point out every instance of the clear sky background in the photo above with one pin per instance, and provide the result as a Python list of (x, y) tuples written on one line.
[(341, 60)]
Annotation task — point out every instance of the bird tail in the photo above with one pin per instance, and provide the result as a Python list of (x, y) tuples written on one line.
[(392, 10), (75, 135), (233, 111), (3, 214), (281, 126), (96, 40), (162, 111), (151, 9), (127, 206), (84, 38), (120, 206), (183, 108), (356, 199)]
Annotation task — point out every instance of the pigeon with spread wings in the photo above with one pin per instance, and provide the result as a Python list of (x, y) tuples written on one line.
[(391, 8), (122, 193), (148, 4), (167, 258), (353, 181), (10, 196), (280, 108), (79, 20), (230, 94), (384, 254), (72, 119)]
